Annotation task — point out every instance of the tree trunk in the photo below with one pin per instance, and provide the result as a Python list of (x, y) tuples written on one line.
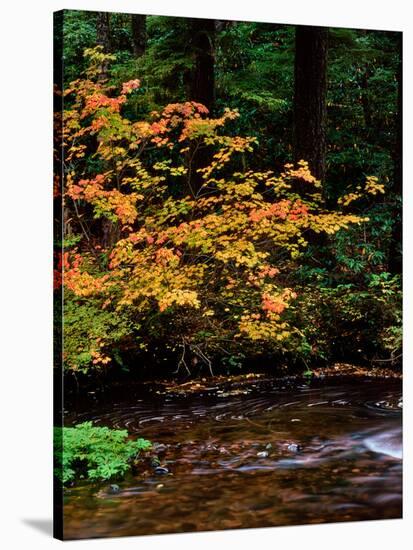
[(200, 88), (202, 79), (103, 39), (365, 102), (310, 108), (395, 253), (103, 30), (139, 37)]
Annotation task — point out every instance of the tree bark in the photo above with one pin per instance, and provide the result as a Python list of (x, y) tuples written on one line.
[(103, 39), (139, 37), (395, 252), (103, 30), (202, 79), (365, 102), (200, 83), (310, 107)]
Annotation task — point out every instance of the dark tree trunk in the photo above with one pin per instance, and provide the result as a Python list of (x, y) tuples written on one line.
[(139, 37), (395, 253), (365, 102), (103, 39), (202, 78), (103, 30), (200, 88), (310, 112)]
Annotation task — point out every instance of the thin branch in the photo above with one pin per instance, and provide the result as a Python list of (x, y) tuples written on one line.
[(182, 361)]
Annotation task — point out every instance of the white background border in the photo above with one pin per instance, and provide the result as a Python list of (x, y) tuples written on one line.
[(26, 239)]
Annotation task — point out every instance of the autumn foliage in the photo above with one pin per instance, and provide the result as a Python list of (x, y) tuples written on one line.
[(162, 267)]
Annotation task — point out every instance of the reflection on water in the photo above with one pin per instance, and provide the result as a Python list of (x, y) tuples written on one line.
[(274, 456)]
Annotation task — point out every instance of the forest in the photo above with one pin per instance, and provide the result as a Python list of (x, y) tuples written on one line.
[(227, 274), (230, 196)]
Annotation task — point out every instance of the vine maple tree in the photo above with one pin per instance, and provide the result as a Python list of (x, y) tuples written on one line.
[(206, 271)]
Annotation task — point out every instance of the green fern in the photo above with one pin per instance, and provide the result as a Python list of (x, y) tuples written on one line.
[(96, 453)]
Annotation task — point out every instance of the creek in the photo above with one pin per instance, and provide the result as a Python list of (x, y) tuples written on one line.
[(273, 453)]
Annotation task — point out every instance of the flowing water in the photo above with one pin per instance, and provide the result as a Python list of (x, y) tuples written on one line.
[(272, 454)]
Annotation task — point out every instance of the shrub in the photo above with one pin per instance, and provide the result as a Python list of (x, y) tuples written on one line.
[(359, 320), (194, 260), (96, 453)]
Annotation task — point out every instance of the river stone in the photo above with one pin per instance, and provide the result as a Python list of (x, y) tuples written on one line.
[(161, 470), (113, 489), (293, 447), (159, 447), (262, 454)]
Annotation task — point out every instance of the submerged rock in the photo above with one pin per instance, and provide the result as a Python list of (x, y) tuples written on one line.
[(159, 447), (161, 471), (294, 447), (262, 454)]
